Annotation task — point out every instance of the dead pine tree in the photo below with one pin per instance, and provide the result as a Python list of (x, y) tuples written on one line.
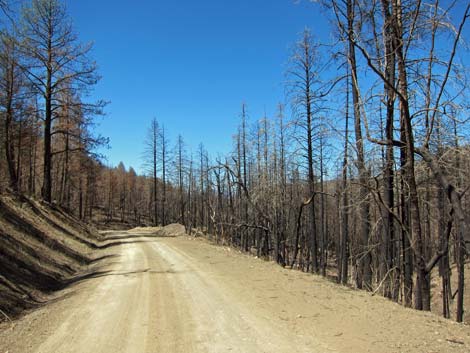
[(343, 251), (301, 80), (151, 162), (11, 85), (164, 162), (180, 168), (53, 57), (346, 14)]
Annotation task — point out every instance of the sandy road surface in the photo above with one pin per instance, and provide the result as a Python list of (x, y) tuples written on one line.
[(184, 295)]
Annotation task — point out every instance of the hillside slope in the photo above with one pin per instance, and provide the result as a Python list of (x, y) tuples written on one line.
[(42, 248)]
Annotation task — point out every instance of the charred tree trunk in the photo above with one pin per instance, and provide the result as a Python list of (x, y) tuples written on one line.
[(9, 119), (343, 262), (364, 277), (423, 285), (388, 231)]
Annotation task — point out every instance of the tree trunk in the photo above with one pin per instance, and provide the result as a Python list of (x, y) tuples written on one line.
[(388, 232), (364, 278), (9, 145), (344, 214)]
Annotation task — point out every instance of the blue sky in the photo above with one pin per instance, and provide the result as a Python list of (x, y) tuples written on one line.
[(189, 63)]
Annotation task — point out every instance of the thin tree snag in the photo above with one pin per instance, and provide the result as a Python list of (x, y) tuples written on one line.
[(247, 194), (443, 251), (459, 214), (298, 223), (364, 277), (447, 74), (298, 226)]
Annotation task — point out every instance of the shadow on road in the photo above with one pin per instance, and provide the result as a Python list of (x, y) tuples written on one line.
[(106, 273), (102, 258), (122, 242)]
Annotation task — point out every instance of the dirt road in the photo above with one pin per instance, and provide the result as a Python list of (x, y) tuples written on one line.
[(184, 295)]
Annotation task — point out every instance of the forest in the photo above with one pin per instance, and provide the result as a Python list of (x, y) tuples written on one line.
[(360, 177)]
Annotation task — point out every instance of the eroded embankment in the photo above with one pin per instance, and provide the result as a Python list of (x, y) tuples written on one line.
[(42, 249)]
